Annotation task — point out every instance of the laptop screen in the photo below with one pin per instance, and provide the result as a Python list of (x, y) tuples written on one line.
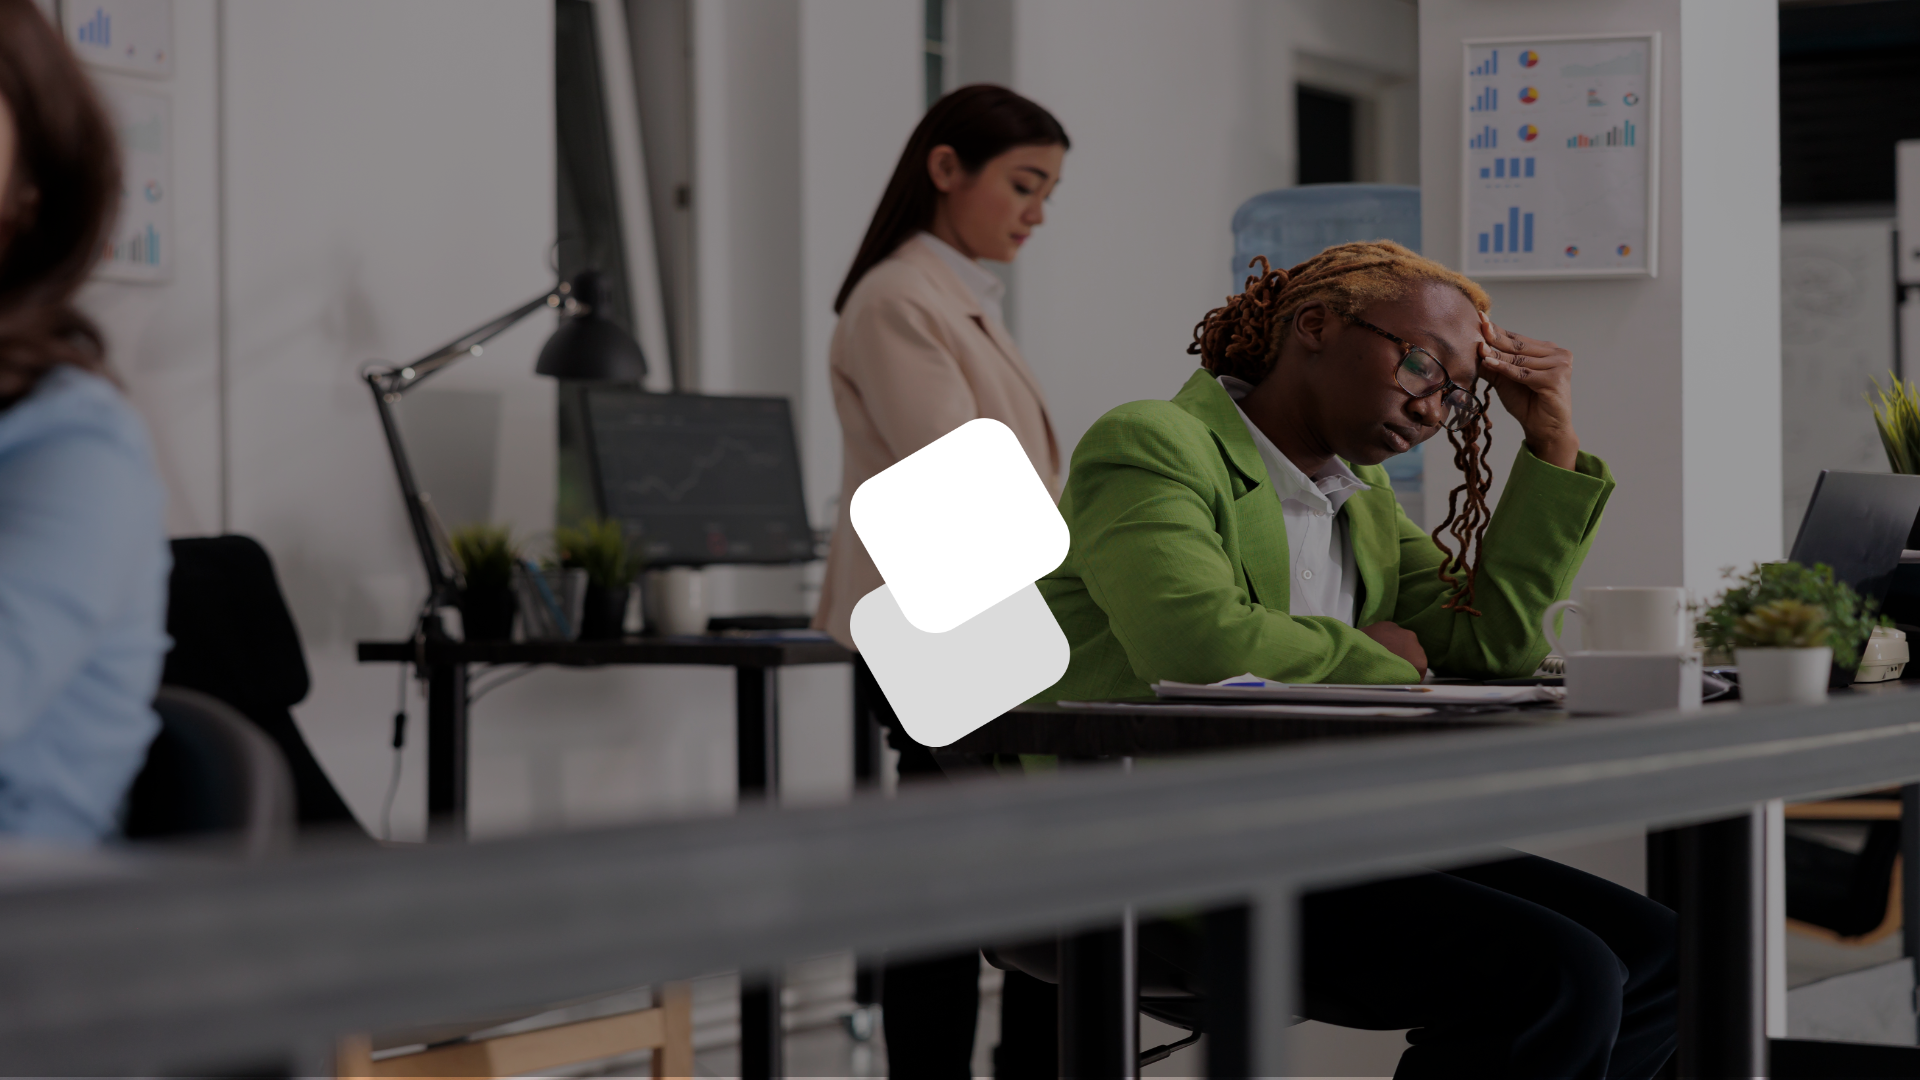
[(697, 479), (1858, 523)]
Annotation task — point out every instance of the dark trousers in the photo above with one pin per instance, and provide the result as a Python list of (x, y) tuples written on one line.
[(1519, 968), (929, 1006)]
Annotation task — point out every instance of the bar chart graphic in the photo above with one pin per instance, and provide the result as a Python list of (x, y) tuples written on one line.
[(1512, 235), (1505, 168), (1526, 208), (1621, 134), (134, 36), (140, 248), (97, 30)]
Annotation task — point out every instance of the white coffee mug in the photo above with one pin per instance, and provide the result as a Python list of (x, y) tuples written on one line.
[(682, 593), (1645, 619)]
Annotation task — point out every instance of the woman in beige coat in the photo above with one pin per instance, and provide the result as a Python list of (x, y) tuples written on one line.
[(919, 350)]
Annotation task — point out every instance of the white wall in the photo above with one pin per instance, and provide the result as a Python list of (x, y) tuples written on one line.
[(1730, 191), (1178, 114), (164, 339), (859, 101), (1170, 134), (1364, 47), (1836, 328), (389, 183), (1677, 379)]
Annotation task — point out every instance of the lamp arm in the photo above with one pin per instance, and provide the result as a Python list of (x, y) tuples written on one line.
[(401, 379), (387, 384)]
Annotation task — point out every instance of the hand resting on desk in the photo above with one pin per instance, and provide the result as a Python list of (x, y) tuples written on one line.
[(1399, 641)]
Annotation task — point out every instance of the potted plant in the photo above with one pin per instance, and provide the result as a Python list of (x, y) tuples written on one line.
[(1787, 625), (1896, 412), (485, 554), (600, 548)]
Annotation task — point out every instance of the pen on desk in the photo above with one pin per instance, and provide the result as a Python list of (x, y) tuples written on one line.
[(1264, 683)]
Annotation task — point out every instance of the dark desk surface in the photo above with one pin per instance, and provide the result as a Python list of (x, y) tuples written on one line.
[(1173, 729), (722, 650)]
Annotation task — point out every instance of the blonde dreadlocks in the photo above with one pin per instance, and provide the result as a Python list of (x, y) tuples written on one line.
[(1243, 337)]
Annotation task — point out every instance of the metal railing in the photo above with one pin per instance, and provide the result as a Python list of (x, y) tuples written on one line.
[(171, 966)]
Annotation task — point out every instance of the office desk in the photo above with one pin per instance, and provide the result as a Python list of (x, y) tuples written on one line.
[(1100, 733), (1708, 873), (198, 968), (755, 659)]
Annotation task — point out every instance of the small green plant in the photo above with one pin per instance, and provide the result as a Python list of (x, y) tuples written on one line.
[(1783, 624), (600, 548), (486, 554), (1786, 605), (1896, 412)]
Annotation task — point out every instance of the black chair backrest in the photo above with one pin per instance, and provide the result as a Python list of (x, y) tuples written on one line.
[(233, 638), (211, 771)]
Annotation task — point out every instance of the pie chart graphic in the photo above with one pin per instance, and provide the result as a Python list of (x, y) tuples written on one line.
[(1529, 95), (1625, 249), (1528, 133), (1529, 58), (1572, 251), (1630, 99)]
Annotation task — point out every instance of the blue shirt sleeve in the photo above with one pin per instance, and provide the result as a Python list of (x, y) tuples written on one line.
[(80, 514)]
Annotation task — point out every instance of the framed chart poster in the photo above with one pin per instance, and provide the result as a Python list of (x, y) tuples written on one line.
[(140, 246), (1562, 162)]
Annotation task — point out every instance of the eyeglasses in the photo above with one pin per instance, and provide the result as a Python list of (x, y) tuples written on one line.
[(1420, 375)]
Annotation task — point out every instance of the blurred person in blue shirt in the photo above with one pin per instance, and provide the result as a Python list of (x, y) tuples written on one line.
[(83, 548)]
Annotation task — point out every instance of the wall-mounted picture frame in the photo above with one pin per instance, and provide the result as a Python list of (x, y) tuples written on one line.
[(1560, 171)]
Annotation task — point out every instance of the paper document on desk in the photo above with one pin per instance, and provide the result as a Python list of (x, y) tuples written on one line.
[(1222, 708), (1254, 688)]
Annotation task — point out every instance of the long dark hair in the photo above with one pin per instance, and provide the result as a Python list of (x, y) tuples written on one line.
[(57, 206), (980, 122)]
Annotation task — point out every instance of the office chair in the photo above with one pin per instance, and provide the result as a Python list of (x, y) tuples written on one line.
[(210, 772), (233, 638)]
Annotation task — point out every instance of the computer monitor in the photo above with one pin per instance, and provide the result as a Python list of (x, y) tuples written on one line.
[(1858, 523), (697, 480)]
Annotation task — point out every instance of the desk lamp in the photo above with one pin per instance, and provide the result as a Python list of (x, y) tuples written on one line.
[(585, 348)]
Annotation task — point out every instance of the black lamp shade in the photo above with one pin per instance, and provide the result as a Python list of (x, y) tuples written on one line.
[(589, 348)]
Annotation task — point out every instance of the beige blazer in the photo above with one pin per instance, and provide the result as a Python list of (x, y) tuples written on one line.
[(914, 357)]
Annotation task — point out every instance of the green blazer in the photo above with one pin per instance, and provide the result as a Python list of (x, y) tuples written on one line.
[(1179, 566)]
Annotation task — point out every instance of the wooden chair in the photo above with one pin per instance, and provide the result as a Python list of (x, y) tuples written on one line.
[(1846, 899), (666, 1029)]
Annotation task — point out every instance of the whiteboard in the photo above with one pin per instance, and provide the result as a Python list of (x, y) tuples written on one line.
[(1561, 159)]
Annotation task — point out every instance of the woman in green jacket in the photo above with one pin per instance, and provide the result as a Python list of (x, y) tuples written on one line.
[(1184, 562), (1246, 526)]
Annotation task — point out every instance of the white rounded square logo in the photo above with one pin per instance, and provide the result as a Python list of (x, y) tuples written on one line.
[(942, 686), (959, 525)]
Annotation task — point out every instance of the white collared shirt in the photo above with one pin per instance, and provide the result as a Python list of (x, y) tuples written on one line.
[(986, 289), (1324, 581)]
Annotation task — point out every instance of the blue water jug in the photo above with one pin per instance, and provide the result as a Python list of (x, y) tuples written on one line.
[(1292, 225)]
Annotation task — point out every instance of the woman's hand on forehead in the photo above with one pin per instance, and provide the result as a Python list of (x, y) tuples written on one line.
[(1534, 379)]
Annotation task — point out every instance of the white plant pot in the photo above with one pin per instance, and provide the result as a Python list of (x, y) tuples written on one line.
[(1784, 676)]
